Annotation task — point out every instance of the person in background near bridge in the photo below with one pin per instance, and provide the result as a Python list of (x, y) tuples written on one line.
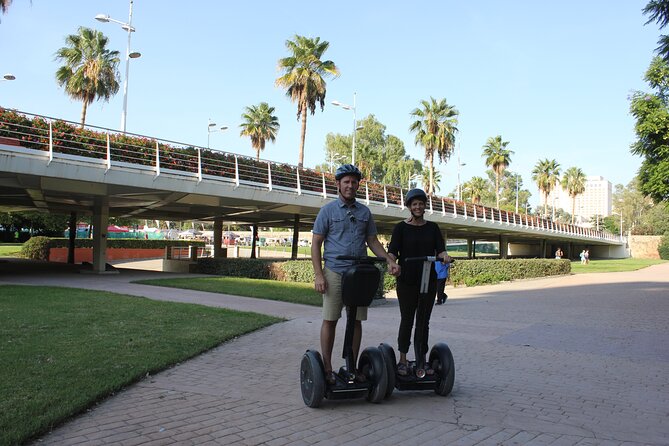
[(415, 237), (559, 253), (442, 275), (343, 227), (582, 256)]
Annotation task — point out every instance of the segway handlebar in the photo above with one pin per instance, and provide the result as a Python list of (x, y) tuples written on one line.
[(362, 259), (426, 259)]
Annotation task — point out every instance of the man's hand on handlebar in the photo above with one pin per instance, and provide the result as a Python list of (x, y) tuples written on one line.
[(320, 284), (445, 258)]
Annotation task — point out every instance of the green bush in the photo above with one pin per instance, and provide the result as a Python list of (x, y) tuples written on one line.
[(36, 248), (478, 271), (663, 247)]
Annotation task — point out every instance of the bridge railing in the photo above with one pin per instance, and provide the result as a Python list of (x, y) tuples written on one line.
[(69, 141)]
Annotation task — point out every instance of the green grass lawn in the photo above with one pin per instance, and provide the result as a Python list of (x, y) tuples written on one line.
[(613, 266), (10, 249), (63, 349), (294, 292)]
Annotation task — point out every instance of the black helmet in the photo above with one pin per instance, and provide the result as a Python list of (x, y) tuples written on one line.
[(347, 169), (415, 193)]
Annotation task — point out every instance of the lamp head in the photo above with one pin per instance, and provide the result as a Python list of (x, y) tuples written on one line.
[(336, 103), (135, 55), (9, 77), (102, 18)]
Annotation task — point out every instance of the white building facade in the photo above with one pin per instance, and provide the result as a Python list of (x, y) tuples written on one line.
[(595, 200)]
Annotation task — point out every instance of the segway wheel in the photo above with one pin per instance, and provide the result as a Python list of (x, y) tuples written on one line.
[(443, 364), (391, 367), (312, 378), (372, 365)]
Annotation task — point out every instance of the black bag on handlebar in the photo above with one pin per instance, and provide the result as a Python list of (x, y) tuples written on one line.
[(359, 284)]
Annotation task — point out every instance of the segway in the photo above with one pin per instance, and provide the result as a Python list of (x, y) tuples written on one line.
[(440, 357), (359, 285)]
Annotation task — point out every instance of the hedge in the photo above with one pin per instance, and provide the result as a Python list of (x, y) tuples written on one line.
[(124, 243), (463, 272)]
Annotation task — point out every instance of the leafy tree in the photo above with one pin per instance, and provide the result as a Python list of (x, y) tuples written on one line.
[(435, 128), (659, 13), (546, 174), (641, 215), (259, 124), (91, 70), (303, 78), (573, 181), (507, 191), (497, 157), (663, 248), (651, 112), (381, 157)]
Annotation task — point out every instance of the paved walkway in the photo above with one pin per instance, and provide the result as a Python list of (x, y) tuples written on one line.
[(574, 360)]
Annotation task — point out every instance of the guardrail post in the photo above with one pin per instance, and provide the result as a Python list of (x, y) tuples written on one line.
[(199, 164), (385, 196), (269, 175), (236, 172), (325, 192), (50, 143), (108, 154), (157, 159), (366, 193), (465, 210), (431, 210), (299, 188), (402, 198)]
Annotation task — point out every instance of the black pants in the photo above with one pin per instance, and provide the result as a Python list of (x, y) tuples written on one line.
[(441, 287), (418, 306)]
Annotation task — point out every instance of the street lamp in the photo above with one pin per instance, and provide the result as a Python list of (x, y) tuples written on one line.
[(415, 177), (8, 77), (211, 128), (335, 157), (517, 176), (621, 224), (128, 55), (355, 128)]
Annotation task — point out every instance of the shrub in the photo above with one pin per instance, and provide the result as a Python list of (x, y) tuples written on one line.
[(124, 243), (663, 247), (36, 248), (478, 271)]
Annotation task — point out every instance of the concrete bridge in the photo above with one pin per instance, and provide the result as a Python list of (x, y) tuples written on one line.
[(55, 166)]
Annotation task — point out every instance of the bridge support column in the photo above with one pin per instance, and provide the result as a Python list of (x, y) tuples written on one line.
[(543, 248), (100, 223), (503, 247), (72, 238), (471, 248), (296, 237), (254, 238), (218, 237)]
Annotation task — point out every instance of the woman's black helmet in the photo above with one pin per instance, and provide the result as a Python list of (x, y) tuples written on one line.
[(413, 194), (347, 169)]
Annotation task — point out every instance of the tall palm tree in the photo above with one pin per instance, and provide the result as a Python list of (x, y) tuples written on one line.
[(435, 128), (427, 184), (4, 5), (546, 174), (476, 188), (259, 124), (658, 10), (498, 158), (91, 70), (303, 78), (573, 181)]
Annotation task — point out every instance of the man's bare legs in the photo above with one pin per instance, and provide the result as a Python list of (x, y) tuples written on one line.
[(328, 330)]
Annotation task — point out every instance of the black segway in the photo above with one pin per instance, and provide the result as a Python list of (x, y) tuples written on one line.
[(359, 285), (440, 357)]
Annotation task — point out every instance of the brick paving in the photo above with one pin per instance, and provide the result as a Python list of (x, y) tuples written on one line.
[(572, 360)]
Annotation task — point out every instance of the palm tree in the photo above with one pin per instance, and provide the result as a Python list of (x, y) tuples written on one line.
[(426, 180), (497, 158), (303, 73), (435, 129), (573, 181), (259, 124), (476, 188), (4, 5), (546, 174), (90, 71), (658, 10)]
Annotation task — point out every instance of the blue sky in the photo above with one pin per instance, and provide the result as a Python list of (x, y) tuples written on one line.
[(553, 78)]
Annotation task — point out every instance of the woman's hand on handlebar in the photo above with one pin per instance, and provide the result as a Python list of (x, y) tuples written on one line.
[(393, 267), (445, 258)]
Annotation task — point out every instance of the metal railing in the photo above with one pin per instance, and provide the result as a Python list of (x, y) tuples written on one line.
[(66, 140)]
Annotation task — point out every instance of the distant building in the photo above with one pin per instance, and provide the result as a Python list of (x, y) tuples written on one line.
[(595, 200)]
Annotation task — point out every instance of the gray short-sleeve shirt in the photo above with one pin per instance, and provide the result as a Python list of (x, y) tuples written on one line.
[(345, 230)]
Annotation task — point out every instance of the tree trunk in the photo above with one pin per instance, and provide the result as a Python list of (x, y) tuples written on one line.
[(573, 208), (83, 114), (497, 188), (303, 135), (431, 185)]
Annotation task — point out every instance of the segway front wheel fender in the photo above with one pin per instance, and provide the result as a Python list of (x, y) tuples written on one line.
[(443, 364), (391, 367), (371, 363), (312, 378)]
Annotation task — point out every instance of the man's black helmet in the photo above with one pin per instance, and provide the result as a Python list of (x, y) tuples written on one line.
[(413, 194), (347, 169)]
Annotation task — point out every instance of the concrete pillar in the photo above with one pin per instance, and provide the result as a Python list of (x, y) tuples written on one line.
[(471, 246), (542, 248), (296, 236), (73, 236), (254, 237), (100, 223), (503, 247), (218, 237)]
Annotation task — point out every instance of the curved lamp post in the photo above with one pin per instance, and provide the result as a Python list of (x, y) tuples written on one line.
[(355, 128), (211, 128), (128, 55)]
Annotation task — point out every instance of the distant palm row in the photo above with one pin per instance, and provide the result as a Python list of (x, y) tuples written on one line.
[(90, 72)]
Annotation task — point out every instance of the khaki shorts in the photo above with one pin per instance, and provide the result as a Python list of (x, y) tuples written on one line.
[(332, 301)]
